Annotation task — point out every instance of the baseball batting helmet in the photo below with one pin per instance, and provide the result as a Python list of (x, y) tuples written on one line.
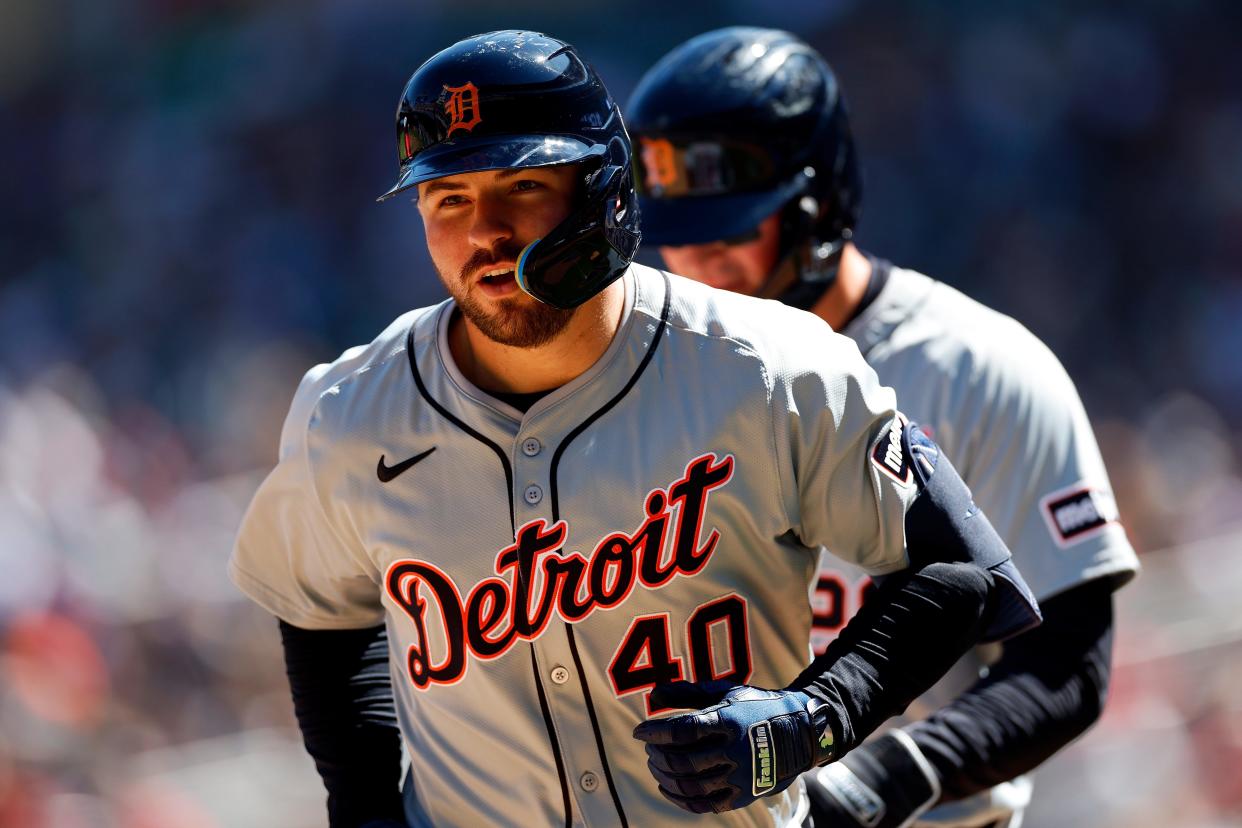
[(514, 99), (740, 123)]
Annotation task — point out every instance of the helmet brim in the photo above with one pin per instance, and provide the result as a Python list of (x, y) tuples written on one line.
[(674, 222), (499, 153)]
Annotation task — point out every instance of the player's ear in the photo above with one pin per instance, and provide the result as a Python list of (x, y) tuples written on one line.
[(774, 226)]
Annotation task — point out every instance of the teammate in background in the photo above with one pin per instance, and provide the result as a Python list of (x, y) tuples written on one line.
[(581, 493), (748, 181)]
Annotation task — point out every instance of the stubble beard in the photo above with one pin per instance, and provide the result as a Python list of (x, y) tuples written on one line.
[(519, 322)]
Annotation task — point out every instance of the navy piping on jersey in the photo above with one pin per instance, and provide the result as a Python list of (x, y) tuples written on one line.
[(869, 299), (534, 665), (881, 269), (556, 515), (444, 412)]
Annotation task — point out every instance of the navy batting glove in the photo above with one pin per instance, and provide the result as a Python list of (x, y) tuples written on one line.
[(383, 823), (884, 783), (744, 743)]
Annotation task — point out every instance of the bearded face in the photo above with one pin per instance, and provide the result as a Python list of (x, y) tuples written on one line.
[(477, 225), (513, 318)]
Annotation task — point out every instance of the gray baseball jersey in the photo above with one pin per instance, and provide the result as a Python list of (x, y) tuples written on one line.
[(1002, 407), (657, 518)]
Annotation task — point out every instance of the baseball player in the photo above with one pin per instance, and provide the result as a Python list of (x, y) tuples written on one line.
[(749, 181), (559, 530)]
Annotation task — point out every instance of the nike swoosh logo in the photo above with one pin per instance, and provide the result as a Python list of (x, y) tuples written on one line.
[(387, 473)]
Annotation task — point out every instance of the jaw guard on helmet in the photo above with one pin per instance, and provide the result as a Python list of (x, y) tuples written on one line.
[(514, 99), (736, 125)]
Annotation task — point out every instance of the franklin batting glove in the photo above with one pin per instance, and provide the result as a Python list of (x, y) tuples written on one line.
[(884, 783), (748, 743)]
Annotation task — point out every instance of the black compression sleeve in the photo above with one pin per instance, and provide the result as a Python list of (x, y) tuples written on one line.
[(342, 697), (908, 633), (1048, 687)]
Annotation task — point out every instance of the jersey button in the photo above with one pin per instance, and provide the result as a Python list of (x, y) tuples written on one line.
[(531, 447), (589, 782), (559, 675), (533, 494)]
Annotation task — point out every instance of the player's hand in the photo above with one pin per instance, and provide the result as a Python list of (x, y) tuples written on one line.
[(884, 783), (383, 823), (744, 743)]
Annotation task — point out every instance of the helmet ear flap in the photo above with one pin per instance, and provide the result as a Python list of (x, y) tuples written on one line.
[(605, 179), (618, 151), (600, 181), (591, 248), (800, 216)]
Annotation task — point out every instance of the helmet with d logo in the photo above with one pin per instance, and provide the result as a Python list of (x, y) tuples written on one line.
[(736, 125), (514, 99)]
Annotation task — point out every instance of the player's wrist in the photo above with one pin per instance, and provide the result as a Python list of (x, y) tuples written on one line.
[(823, 729), (885, 783)]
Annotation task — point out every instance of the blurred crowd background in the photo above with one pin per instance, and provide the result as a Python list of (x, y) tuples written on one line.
[(189, 223)]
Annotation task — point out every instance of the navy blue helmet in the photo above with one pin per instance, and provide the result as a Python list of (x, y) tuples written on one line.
[(738, 124), (514, 99)]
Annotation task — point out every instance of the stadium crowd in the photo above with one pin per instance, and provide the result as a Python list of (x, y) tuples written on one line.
[(190, 224)]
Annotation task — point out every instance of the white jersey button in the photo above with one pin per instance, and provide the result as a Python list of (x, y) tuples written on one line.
[(589, 781), (531, 447), (533, 494), (559, 675)]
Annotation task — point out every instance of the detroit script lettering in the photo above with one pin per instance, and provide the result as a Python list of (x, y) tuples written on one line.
[(498, 611)]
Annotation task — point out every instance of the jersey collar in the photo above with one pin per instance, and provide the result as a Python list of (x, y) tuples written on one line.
[(635, 294), (902, 296)]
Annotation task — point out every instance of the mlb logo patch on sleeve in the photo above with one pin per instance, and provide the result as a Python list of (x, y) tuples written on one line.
[(1078, 513), (890, 455)]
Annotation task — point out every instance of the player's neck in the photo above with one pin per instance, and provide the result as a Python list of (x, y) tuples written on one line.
[(837, 305), (496, 367)]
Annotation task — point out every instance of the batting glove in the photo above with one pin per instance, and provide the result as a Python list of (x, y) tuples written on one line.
[(383, 823), (745, 743), (884, 783)]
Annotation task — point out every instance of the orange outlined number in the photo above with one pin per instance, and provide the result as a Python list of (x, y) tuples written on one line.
[(729, 613), (833, 603), (463, 107), (646, 656)]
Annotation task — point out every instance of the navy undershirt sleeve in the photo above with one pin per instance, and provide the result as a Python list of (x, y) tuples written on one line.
[(1048, 687), (907, 634), (342, 697)]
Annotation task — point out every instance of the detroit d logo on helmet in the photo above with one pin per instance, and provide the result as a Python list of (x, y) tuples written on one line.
[(660, 161), (463, 107)]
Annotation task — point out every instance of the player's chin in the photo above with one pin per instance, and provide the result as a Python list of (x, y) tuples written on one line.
[(519, 322)]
